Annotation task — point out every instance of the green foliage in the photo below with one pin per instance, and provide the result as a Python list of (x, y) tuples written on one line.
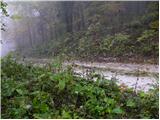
[(115, 44), (130, 103), (148, 42), (148, 34), (117, 111), (154, 25), (33, 92), (3, 7)]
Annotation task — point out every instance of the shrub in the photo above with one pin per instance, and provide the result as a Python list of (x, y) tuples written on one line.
[(117, 44), (34, 92)]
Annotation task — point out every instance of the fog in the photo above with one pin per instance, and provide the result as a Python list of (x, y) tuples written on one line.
[(7, 47), (50, 28)]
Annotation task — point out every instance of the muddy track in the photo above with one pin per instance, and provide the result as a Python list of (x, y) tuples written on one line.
[(118, 66), (139, 76)]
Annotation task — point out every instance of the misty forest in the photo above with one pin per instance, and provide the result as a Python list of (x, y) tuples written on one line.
[(79, 59)]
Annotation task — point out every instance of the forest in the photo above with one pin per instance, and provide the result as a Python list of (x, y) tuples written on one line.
[(80, 59)]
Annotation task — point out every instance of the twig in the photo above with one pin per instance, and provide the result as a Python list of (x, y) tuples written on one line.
[(136, 84)]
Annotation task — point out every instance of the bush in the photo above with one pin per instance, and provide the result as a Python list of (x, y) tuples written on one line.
[(148, 42), (116, 45), (34, 92)]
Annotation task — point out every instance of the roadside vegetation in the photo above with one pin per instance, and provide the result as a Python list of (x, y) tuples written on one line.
[(53, 92)]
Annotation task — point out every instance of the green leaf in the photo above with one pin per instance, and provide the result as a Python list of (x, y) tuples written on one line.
[(61, 84), (130, 103), (66, 115), (41, 76), (37, 116), (117, 110), (142, 94), (20, 91), (35, 92), (42, 115), (44, 107)]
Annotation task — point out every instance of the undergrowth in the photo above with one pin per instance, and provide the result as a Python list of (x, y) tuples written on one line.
[(52, 92)]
